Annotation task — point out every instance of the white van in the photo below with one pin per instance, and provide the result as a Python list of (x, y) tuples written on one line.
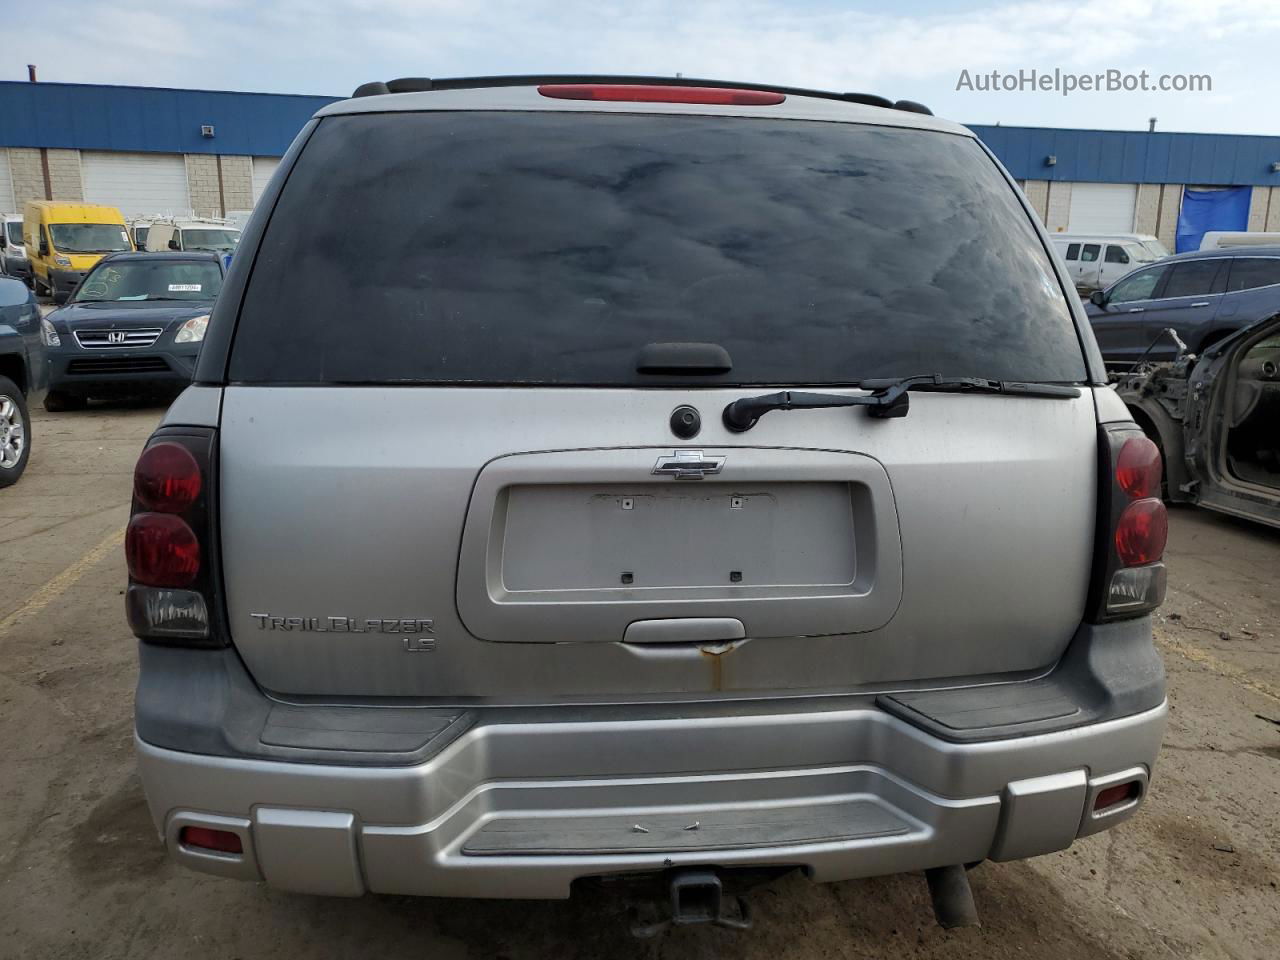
[(193, 233), (1095, 261), (14, 261), (1217, 239)]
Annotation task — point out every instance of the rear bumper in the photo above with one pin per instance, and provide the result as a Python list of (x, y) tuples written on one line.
[(519, 803), (522, 810)]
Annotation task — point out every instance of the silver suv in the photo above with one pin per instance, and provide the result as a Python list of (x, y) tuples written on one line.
[(601, 477)]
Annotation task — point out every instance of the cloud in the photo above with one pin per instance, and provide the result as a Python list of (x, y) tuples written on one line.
[(330, 46)]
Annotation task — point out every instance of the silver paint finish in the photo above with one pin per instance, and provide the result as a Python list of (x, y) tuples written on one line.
[(414, 821), (547, 541), (308, 851), (1111, 409), (994, 499), (1039, 815)]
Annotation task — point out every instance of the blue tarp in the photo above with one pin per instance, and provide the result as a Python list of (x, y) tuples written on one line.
[(1205, 210)]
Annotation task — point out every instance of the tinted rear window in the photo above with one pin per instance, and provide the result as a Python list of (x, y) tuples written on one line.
[(549, 248)]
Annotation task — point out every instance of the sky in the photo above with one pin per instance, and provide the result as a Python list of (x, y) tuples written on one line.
[(912, 49)]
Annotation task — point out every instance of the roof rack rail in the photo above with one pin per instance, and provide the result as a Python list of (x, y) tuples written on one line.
[(423, 84)]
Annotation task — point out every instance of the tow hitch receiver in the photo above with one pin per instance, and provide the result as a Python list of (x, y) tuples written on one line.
[(697, 897)]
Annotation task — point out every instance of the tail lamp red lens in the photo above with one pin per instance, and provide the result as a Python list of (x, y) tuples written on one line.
[(167, 478), (1115, 796), (1142, 532), (206, 838), (162, 550), (657, 93), (1138, 468)]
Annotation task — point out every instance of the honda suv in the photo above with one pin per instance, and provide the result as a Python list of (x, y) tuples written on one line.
[(600, 477)]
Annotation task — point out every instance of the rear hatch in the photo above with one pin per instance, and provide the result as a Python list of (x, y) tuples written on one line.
[(448, 468)]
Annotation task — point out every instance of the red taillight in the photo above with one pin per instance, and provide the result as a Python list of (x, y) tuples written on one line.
[(656, 93), (167, 478), (162, 550), (1114, 796), (1138, 468), (206, 838), (1141, 532)]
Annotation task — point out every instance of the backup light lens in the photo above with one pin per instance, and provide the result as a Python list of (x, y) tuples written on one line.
[(167, 614), (162, 550), (1138, 468), (1136, 589), (1142, 532), (206, 838), (167, 478), (656, 93)]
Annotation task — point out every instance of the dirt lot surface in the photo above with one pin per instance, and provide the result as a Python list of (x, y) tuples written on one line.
[(82, 874)]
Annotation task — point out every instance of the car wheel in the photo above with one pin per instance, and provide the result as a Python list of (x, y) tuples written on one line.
[(15, 432), (59, 401), (36, 285)]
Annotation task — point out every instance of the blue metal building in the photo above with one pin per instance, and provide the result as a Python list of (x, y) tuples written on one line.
[(1076, 179)]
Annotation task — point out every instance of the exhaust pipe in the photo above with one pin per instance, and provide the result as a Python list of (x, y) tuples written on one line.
[(952, 898)]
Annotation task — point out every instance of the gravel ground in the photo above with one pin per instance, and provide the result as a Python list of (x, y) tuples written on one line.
[(82, 875)]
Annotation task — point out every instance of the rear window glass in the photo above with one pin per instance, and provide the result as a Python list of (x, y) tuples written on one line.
[(550, 248)]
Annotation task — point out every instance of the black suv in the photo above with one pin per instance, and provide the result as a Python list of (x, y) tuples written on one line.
[(22, 375), (1204, 295)]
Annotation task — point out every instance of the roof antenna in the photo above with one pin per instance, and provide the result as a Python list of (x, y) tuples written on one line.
[(1151, 125), (31, 73)]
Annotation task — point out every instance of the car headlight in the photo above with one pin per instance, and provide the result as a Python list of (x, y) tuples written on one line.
[(193, 330), (18, 253), (48, 334), (62, 261)]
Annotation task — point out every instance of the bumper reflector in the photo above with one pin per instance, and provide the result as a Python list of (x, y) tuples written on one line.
[(1118, 795), (205, 838)]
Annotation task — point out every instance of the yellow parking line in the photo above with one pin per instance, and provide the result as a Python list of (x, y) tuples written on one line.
[(1205, 659), (62, 582)]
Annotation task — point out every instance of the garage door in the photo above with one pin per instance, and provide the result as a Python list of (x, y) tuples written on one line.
[(7, 202), (1102, 207), (137, 183), (263, 168)]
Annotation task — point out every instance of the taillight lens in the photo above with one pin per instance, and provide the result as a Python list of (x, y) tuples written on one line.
[(162, 550), (170, 543), (167, 478), (1133, 526), (657, 93), (1142, 532), (1138, 468)]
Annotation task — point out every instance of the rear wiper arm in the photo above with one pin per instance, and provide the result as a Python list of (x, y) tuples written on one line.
[(888, 398)]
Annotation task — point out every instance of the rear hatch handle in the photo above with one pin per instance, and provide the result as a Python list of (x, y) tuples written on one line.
[(887, 399)]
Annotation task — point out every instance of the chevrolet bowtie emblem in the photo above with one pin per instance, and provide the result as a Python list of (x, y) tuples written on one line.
[(688, 465)]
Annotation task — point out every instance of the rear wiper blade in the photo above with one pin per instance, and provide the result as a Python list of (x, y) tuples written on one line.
[(888, 397)]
